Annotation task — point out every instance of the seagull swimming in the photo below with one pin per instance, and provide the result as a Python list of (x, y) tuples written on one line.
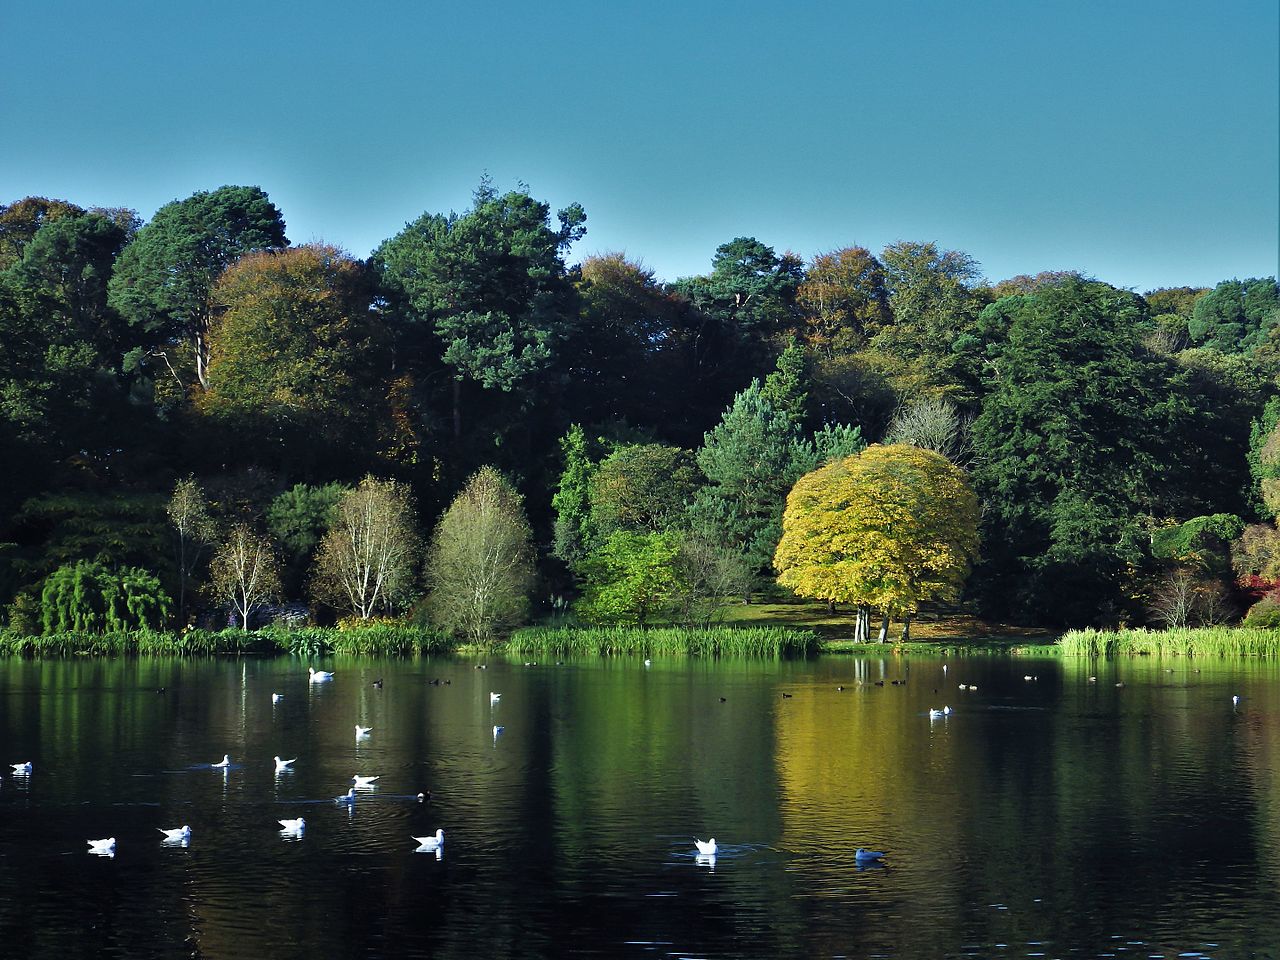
[(319, 676), (362, 731), (1235, 702), (21, 768), (497, 730), (276, 698), (706, 848), (364, 781), (225, 762), (293, 826), (349, 797), (103, 848), (431, 843), (177, 834), (494, 697), (282, 765), (867, 856)]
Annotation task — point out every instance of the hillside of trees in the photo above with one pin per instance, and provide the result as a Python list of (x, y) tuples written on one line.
[(199, 420)]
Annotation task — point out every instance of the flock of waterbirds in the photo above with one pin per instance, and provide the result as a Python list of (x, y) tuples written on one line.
[(295, 828)]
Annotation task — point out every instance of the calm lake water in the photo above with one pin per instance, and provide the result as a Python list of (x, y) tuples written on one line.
[(1054, 817)]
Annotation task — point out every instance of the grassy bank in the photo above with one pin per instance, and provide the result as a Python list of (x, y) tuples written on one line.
[(1199, 642), (729, 641)]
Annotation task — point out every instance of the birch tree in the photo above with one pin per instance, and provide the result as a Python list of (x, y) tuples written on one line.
[(480, 568), (189, 513), (365, 562), (245, 572)]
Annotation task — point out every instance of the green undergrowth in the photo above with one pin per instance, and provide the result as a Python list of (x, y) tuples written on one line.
[(1197, 642)]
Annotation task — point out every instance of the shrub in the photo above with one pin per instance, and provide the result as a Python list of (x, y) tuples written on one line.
[(88, 597)]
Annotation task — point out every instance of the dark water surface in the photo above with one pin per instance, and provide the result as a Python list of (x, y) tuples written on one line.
[(1054, 817)]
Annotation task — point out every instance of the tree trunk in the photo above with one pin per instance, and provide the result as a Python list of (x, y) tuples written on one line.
[(831, 607), (906, 629), (884, 629)]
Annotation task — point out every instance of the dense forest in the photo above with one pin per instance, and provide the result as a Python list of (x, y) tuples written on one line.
[(172, 387)]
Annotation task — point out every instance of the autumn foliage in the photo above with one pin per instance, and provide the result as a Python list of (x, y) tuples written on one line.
[(889, 528)]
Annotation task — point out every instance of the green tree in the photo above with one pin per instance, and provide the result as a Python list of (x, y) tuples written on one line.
[(367, 557), (1072, 445), (572, 499), (631, 577), (163, 278), (481, 565), (641, 487), (751, 459), (487, 291), (887, 529), (21, 221), (1236, 315), (933, 301)]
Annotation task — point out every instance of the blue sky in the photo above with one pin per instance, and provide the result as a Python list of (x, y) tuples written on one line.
[(1133, 141)]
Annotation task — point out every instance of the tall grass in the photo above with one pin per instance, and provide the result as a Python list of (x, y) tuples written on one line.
[(1198, 642), (374, 640), (665, 641)]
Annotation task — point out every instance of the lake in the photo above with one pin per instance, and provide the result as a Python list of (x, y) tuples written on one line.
[(1048, 817)]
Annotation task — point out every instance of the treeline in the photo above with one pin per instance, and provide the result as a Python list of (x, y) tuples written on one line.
[(634, 440)]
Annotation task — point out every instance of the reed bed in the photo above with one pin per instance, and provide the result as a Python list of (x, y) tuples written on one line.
[(719, 641), (374, 640), (1197, 642)]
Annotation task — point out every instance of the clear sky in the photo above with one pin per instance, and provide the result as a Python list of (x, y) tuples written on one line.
[(1136, 141)]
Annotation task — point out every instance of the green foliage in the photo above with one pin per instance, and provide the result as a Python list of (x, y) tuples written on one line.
[(1264, 459), (90, 598), (1179, 301), (20, 221), (787, 388), (298, 518), (1074, 439), (751, 459), (772, 642), (1264, 615), (641, 488), (163, 278), (490, 285), (1236, 315), (1203, 541), (572, 499), (631, 578), (750, 287), (844, 300)]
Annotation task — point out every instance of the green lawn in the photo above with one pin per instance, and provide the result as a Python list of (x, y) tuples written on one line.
[(938, 631)]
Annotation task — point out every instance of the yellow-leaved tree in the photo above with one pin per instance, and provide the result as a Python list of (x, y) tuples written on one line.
[(885, 529)]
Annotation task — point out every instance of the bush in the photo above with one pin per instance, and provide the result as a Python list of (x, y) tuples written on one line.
[(88, 597), (1264, 614)]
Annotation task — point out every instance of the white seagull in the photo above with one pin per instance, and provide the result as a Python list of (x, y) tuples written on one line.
[(319, 676), (276, 698), (868, 856), (348, 797), (293, 826), (20, 768), (282, 765), (497, 730), (706, 848), (431, 843), (176, 835), (103, 848), (494, 697), (224, 762), (362, 731), (364, 781)]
